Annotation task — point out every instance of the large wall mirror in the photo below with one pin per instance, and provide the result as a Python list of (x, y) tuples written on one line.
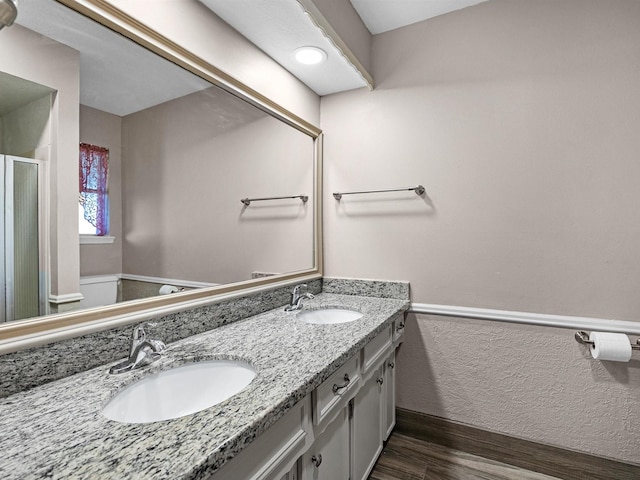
[(183, 145)]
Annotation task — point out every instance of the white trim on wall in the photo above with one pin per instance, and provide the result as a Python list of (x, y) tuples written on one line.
[(540, 319), (65, 298), (167, 281), (95, 240)]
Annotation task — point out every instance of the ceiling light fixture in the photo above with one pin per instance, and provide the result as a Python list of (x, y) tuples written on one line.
[(309, 55)]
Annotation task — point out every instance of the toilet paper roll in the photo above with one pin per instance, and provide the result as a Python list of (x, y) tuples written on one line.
[(164, 289), (615, 347)]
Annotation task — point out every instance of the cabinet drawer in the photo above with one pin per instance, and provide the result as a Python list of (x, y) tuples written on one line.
[(376, 348), (275, 452), (398, 329), (333, 392)]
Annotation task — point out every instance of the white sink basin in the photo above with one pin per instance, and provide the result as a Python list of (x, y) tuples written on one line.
[(327, 316), (179, 391)]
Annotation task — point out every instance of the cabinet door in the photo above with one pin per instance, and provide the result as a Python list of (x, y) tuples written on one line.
[(275, 452), (366, 440), (389, 393), (328, 458), (293, 474)]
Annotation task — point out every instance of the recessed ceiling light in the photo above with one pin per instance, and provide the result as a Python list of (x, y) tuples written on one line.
[(309, 55)]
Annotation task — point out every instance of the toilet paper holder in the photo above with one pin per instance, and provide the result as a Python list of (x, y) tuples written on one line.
[(583, 337)]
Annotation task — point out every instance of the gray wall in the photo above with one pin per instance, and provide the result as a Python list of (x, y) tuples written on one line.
[(520, 118), (187, 163), (105, 130), (177, 172)]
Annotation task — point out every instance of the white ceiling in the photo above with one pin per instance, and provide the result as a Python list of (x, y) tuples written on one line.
[(112, 68), (383, 15), (279, 27)]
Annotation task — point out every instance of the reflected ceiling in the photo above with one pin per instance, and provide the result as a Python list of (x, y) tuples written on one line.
[(116, 76)]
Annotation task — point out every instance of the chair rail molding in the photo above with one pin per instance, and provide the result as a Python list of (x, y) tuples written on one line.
[(527, 318)]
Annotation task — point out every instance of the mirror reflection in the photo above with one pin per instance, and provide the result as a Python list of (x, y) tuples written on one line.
[(153, 204)]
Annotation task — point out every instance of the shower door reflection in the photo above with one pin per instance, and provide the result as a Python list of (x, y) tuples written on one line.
[(21, 274)]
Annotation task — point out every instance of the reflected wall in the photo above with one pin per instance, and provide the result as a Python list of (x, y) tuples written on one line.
[(187, 163)]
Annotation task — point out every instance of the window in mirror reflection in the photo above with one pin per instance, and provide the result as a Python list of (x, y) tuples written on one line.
[(94, 199)]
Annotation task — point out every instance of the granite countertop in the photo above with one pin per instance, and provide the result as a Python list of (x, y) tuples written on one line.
[(57, 430)]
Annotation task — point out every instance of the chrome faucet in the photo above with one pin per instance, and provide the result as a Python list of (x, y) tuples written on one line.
[(142, 351), (296, 297)]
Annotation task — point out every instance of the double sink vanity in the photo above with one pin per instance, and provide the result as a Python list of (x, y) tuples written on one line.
[(301, 394)]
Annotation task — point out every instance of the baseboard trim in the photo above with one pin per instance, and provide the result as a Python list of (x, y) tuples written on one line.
[(546, 459)]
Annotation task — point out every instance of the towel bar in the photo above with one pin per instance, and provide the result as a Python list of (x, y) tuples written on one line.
[(247, 201), (418, 189)]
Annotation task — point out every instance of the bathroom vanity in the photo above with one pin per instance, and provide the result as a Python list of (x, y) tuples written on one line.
[(337, 431), (320, 406)]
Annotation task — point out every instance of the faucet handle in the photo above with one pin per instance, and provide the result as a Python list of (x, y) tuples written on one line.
[(139, 336), (157, 345), (138, 333), (138, 330), (297, 288)]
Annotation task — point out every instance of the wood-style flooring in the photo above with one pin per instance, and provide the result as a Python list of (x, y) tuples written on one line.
[(407, 458)]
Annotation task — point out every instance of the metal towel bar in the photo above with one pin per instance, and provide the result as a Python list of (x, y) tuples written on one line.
[(418, 189), (247, 201)]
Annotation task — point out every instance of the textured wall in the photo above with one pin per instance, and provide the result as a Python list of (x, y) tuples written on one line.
[(530, 382), (520, 118)]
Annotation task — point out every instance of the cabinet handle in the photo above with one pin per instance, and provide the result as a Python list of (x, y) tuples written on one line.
[(391, 364), (380, 380), (316, 460), (337, 387), (400, 327)]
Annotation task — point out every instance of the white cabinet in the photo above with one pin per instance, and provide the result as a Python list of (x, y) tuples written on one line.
[(335, 392), (337, 432), (374, 405), (389, 395), (367, 425), (398, 330), (375, 350), (293, 474), (274, 454), (328, 457)]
